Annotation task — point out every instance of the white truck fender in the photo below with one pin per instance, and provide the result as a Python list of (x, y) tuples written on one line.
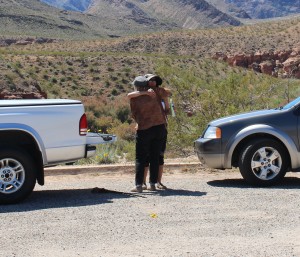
[(29, 130)]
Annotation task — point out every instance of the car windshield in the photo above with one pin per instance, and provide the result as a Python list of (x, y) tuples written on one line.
[(291, 104)]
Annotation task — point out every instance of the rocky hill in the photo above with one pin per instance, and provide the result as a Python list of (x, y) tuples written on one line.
[(176, 13), (253, 9), (32, 18), (94, 19), (189, 14), (258, 9)]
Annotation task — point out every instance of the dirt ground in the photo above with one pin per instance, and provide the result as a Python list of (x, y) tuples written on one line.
[(203, 213)]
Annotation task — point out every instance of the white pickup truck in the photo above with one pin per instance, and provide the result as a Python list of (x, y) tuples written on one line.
[(38, 133)]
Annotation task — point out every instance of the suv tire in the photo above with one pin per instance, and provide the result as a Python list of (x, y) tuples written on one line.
[(263, 162)]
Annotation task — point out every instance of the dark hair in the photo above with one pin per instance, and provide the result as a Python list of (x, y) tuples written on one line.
[(155, 78), (144, 88)]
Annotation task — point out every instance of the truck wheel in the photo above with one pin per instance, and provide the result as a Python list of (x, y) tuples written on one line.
[(263, 162), (17, 175)]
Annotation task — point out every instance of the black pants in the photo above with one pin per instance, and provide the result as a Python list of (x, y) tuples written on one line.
[(148, 143), (162, 151)]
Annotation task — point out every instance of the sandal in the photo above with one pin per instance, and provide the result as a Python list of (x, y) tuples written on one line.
[(151, 187), (137, 189), (161, 186)]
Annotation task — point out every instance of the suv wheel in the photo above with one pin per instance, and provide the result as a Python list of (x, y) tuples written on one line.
[(263, 162)]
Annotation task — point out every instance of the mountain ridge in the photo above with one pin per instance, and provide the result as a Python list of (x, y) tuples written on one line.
[(70, 5), (32, 18), (117, 18), (175, 13), (255, 9), (94, 19), (258, 9)]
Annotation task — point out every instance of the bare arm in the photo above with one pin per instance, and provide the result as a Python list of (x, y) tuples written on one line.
[(165, 94), (140, 93)]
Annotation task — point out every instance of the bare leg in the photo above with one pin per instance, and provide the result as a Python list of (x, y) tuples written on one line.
[(160, 172), (145, 174)]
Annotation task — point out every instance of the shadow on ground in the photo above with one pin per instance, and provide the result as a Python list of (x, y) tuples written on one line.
[(286, 183), (50, 199), (179, 192)]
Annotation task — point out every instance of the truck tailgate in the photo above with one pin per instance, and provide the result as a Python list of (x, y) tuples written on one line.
[(97, 138)]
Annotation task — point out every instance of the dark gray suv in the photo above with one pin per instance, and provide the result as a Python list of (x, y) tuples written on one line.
[(263, 144)]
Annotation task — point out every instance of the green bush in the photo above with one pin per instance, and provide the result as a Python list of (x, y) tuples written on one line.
[(105, 154)]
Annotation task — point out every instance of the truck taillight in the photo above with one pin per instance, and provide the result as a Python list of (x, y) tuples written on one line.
[(83, 125)]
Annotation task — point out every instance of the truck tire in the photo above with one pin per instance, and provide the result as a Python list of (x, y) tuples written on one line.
[(263, 162), (17, 175)]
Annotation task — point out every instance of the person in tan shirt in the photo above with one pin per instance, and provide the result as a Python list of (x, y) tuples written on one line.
[(151, 129)]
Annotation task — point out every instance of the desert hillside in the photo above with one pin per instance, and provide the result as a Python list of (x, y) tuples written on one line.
[(266, 36)]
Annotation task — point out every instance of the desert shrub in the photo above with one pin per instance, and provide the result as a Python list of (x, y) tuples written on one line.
[(105, 154), (91, 119), (123, 114), (54, 90), (10, 77), (126, 149), (124, 131), (96, 78), (114, 92), (54, 80), (70, 63), (18, 65), (104, 124)]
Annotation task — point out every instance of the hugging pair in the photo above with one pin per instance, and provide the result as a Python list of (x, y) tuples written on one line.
[(149, 105)]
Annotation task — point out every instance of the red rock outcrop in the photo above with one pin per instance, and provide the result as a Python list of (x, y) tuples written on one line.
[(32, 95), (266, 62)]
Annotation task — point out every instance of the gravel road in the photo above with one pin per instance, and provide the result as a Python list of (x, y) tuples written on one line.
[(205, 213)]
